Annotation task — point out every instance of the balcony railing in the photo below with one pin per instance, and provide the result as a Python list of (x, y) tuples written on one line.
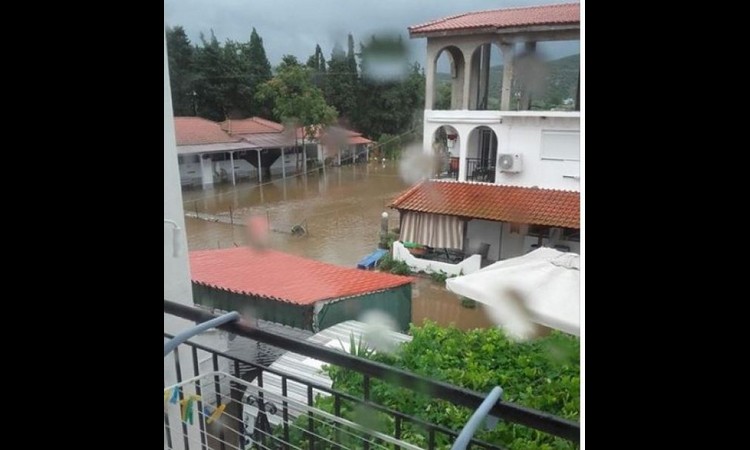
[(480, 169), (234, 433)]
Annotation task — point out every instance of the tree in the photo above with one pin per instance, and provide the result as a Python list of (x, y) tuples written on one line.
[(341, 83), (295, 99), (210, 79), (391, 92), (259, 72), (181, 75), (236, 87), (317, 63)]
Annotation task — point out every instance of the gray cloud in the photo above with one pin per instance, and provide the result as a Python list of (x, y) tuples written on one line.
[(295, 26)]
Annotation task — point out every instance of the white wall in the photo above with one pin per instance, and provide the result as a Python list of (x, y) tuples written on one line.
[(517, 132), (513, 243), (177, 286), (478, 231), (469, 265), (176, 271)]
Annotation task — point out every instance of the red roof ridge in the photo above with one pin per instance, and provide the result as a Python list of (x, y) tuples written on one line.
[(232, 269), (407, 193), (442, 19), (417, 28), (485, 183), (498, 202)]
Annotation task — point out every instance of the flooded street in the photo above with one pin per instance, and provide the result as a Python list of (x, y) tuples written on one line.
[(340, 209)]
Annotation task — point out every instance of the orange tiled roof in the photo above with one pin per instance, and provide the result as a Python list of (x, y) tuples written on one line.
[(284, 277), (197, 131), (358, 140), (560, 14), (251, 125), (534, 206)]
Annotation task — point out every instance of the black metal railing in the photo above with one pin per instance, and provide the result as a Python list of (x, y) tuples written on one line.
[(480, 169), (510, 412)]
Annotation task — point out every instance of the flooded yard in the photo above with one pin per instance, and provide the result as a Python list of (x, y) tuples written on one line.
[(340, 210)]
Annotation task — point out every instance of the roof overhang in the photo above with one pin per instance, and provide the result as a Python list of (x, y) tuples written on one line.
[(557, 32)]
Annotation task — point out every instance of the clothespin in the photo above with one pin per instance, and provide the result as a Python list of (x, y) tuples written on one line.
[(166, 395), (183, 408), (217, 413), (189, 410), (175, 396)]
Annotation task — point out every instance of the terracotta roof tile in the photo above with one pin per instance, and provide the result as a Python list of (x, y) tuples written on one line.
[(197, 131), (493, 202), (251, 125), (284, 277), (358, 140), (560, 14)]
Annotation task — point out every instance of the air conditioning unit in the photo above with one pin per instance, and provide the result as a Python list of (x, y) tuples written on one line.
[(509, 162)]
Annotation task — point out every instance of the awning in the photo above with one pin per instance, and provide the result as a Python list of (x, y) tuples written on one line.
[(541, 287), (433, 230)]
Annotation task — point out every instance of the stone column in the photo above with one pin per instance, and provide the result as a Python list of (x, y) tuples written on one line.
[(429, 74), (508, 56), (530, 48), (463, 149), (484, 77)]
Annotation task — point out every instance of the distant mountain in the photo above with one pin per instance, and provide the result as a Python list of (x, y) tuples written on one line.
[(560, 84)]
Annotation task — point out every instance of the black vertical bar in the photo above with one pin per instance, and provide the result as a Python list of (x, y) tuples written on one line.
[(397, 431), (286, 412), (201, 415), (262, 407), (217, 387), (337, 412), (310, 424), (178, 372), (366, 389), (241, 424), (431, 438)]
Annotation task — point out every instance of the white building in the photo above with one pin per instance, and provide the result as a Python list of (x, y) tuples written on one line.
[(517, 169), (177, 286), (257, 148)]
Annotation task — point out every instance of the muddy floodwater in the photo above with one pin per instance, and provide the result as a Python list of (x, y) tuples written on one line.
[(340, 210)]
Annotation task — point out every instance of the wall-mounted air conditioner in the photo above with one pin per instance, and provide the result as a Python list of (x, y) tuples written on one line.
[(509, 162)]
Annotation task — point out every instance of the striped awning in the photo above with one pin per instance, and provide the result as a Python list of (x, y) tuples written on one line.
[(433, 230)]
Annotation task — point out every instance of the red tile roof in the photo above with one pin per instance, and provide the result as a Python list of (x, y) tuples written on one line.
[(493, 202), (561, 14), (358, 140), (284, 277), (353, 137), (197, 130), (251, 126)]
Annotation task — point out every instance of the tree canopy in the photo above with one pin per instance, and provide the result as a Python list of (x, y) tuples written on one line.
[(295, 98), (218, 81)]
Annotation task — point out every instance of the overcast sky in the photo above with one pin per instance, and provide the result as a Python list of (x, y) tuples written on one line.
[(295, 26)]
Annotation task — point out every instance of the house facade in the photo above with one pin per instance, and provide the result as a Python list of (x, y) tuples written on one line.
[(256, 148), (516, 157)]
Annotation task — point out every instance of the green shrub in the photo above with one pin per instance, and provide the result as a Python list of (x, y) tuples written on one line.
[(388, 264), (542, 374)]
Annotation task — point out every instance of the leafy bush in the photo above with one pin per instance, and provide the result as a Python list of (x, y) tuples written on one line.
[(543, 374), (468, 303), (439, 276), (388, 264)]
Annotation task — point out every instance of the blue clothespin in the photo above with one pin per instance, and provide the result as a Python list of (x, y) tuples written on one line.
[(175, 396)]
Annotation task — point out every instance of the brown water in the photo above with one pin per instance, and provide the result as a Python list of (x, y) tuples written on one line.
[(341, 211)]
